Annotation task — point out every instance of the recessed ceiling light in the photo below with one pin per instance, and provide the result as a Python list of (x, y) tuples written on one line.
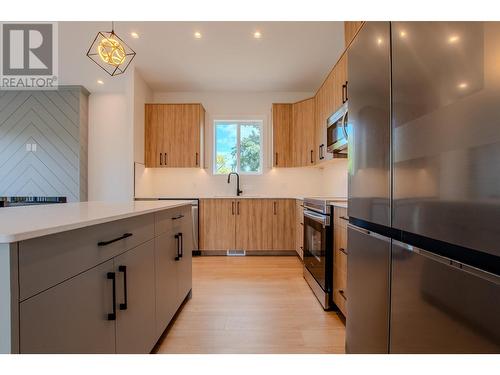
[(134, 35), (463, 85), (100, 81), (453, 39), (402, 34), (197, 35), (257, 34), (379, 41)]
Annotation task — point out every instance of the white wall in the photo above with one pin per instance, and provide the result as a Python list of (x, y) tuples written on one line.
[(280, 182), (110, 148), (142, 94)]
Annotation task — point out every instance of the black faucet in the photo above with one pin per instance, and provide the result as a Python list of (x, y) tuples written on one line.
[(238, 191)]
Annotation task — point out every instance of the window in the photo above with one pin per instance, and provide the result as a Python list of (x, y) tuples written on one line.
[(238, 146)]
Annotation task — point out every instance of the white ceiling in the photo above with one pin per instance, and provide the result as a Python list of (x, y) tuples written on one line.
[(290, 56)]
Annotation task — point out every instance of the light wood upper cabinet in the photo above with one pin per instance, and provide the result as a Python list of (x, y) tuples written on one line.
[(284, 224), (351, 28), (303, 133), (174, 135), (217, 224), (324, 105), (331, 95), (293, 134), (254, 224), (282, 135)]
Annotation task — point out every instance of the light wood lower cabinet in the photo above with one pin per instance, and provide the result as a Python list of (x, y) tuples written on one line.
[(299, 236), (254, 226), (283, 224), (247, 224), (217, 224), (340, 258)]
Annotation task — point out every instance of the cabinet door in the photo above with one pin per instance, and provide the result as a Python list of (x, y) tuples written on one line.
[(254, 224), (167, 115), (71, 317), (284, 224), (340, 259), (282, 134), (184, 265), (217, 224), (350, 30), (303, 133), (165, 280), (153, 137), (135, 300), (299, 236), (324, 107), (341, 82)]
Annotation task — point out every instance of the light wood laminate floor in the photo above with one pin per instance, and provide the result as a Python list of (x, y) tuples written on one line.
[(252, 305)]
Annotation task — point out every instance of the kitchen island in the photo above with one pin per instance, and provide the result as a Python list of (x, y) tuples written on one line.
[(92, 277)]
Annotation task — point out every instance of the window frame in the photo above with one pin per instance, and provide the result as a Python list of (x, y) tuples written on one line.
[(251, 120)]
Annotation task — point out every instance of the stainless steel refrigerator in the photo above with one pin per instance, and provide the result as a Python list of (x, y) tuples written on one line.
[(424, 188)]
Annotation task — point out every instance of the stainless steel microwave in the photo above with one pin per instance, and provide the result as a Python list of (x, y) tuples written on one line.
[(337, 131)]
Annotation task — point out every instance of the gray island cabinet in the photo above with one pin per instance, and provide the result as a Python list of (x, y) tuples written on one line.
[(111, 287)]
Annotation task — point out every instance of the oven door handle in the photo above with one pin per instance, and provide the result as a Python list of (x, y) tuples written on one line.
[(325, 220)]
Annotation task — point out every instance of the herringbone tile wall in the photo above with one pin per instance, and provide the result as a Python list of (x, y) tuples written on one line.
[(57, 123)]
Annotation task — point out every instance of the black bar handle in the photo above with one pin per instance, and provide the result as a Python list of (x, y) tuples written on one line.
[(312, 160), (274, 207), (276, 159), (178, 238), (232, 208), (346, 92), (344, 218), (122, 237), (165, 158), (343, 93), (111, 276), (123, 306), (177, 217), (321, 157), (161, 163), (238, 207), (342, 250), (196, 158), (182, 245)]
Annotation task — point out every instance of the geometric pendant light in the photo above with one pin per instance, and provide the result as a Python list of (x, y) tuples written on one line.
[(110, 52)]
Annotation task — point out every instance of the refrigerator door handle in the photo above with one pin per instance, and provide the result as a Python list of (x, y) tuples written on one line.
[(368, 232), (450, 262)]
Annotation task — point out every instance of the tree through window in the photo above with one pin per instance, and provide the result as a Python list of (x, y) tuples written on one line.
[(238, 146)]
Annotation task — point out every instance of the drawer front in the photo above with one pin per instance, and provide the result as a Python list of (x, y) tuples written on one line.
[(168, 220), (340, 280), (47, 261), (71, 317)]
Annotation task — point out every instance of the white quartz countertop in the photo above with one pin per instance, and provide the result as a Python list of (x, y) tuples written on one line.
[(22, 223)]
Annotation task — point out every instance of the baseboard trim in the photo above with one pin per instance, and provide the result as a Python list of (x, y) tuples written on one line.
[(250, 252)]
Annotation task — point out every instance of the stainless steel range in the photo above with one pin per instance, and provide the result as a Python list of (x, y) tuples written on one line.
[(318, 248)]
